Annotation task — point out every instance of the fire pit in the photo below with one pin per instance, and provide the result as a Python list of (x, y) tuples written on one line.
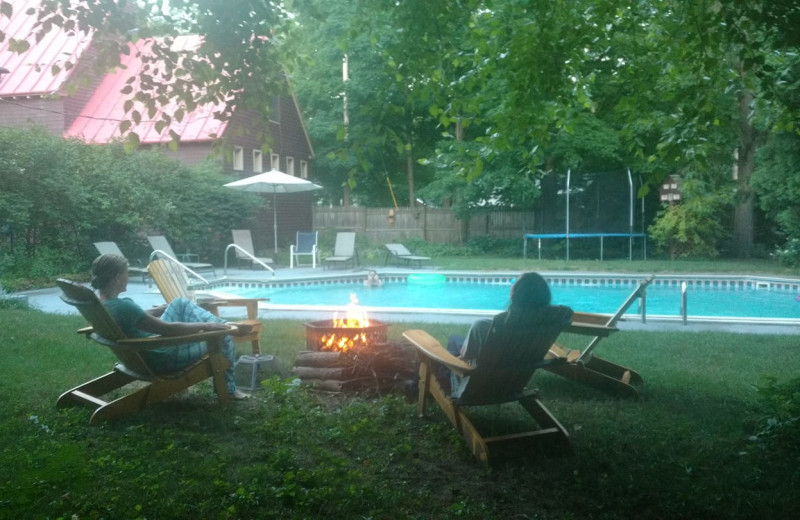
[(332, 335), (353, 352)]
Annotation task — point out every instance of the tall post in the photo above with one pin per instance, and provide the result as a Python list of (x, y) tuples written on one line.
[(630, 217), (567, 230)]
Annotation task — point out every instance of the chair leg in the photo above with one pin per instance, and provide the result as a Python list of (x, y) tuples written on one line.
[(91, 391), (430, 384), (424, 384), (543, 416)]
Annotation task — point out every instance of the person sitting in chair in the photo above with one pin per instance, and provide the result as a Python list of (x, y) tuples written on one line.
[(181, 316), (530, 304)]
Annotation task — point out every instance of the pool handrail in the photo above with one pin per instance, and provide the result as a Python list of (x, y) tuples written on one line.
[(247, 255), (159, 253)]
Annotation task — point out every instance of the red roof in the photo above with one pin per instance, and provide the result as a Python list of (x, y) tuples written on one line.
[(99, 120), (31, 72)]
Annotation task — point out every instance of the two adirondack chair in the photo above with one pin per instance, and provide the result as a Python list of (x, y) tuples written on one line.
[(507, 360), (132, 367), (587, 368), (171, 282)]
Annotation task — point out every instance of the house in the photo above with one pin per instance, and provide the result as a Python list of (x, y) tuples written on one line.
[(39, 89)]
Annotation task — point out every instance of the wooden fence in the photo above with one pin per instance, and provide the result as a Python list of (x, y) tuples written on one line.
[(431, 225)]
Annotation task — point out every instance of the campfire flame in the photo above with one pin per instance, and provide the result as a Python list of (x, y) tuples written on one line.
[(343, 341)]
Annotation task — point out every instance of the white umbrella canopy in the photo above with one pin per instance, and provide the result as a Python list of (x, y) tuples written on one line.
[(274, 182)]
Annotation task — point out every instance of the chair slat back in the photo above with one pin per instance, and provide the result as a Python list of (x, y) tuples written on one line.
[(514, 348), (243, 239), (108, 248), (169, 278), (345, 244), (305, 242), (106, 331), (160, 243)]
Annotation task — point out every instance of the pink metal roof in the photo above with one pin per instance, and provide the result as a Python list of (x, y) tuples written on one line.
[(99, 120), (31, 71)]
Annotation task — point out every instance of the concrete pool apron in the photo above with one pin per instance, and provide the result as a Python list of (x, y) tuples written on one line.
[(146, 294)]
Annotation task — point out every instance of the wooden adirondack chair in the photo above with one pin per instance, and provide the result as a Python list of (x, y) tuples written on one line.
[(499, 375), (132, 366), (171, 282), (591, 370)]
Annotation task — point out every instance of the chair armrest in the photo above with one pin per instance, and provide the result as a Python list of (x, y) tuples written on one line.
[(590, 329), (431, 348), (236, 302), (251, 304), (152, 342), (587, 317)]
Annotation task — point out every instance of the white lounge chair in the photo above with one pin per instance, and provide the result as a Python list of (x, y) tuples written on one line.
[(160, 244), (399, 253), (244, 240), (344, 250)]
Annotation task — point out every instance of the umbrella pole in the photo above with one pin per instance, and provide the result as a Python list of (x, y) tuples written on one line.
[(275, 219)]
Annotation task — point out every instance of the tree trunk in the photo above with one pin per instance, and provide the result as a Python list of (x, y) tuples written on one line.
[(743, 214), (412, 198)]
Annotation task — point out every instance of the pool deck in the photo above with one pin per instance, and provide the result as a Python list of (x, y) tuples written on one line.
[(147, 295)]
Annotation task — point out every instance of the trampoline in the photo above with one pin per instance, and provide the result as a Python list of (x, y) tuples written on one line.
[(568, 236), (589, 233)]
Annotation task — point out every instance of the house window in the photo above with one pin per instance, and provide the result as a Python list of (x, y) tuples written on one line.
[(258, 166), (304, 169), (290, 165), (275, 109), (238, 158), (275, 161)]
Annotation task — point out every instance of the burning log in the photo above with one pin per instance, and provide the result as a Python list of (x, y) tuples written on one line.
[(309, 358)]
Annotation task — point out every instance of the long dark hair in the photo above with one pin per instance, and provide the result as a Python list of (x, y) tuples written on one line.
[(530, 291)]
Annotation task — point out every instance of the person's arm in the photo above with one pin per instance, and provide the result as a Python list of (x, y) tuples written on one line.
[(149, 323), (157, 311), (476, 337)]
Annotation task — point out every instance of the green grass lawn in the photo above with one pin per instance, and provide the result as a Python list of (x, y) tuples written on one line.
[(681, 451)]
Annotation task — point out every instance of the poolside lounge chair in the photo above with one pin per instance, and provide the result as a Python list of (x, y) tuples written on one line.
[(344, 250), (132, 366), (172, 283), (505, 364), (244, 241), (161, 247), (111, 248), (586, 368), (400, 253), (305, 245)]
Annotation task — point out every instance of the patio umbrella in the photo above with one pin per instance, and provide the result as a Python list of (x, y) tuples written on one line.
[(274, 182)]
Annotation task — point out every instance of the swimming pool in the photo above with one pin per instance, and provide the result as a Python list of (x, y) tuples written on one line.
[(734, 297)]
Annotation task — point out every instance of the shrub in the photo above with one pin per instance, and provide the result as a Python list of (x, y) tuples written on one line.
[(779, 416)]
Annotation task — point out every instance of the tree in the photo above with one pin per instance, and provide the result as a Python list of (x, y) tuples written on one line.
[(243, 50)]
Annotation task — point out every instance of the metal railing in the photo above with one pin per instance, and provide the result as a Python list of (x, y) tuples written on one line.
[(159, 253), (247, 255)]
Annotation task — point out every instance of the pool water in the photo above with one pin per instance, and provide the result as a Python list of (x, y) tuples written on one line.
[(661, 300)]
